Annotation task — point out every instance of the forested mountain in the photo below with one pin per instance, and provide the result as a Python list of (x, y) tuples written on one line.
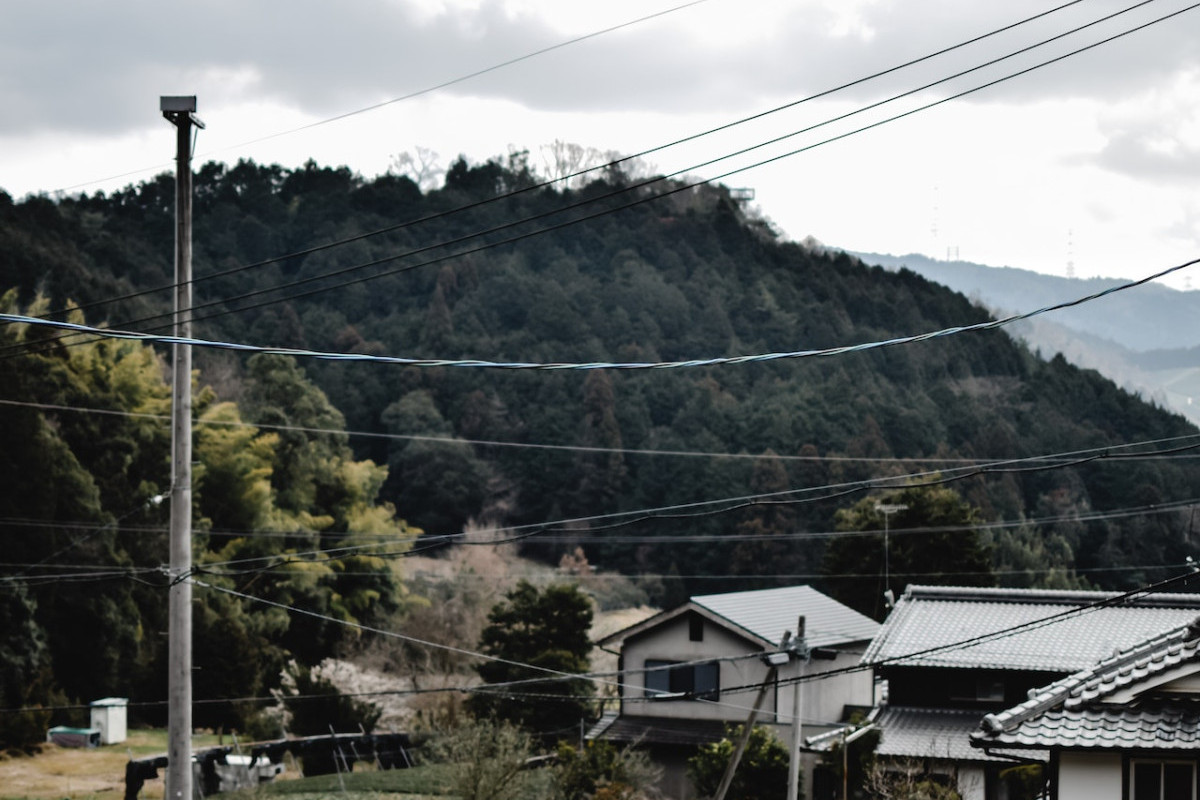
[(687, 276)]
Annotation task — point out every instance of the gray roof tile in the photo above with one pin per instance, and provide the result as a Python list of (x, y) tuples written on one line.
[(929, 733), (767, 613), (928, 617), (1161, 725), (1091, 709)]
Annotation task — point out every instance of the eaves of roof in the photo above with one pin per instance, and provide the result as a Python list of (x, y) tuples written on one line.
[(1098, 707), (935, 733)]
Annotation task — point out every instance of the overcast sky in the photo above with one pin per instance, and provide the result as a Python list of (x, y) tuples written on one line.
[(1091, 161)]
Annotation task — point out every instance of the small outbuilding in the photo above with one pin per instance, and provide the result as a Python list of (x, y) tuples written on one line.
[(108, 717), (65, 736)]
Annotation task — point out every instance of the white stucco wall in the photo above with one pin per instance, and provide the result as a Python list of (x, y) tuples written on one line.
[(1089, 776), (823, 700), (669, 642)]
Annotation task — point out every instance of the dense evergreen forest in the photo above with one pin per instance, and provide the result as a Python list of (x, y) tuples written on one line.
[(341, 452)]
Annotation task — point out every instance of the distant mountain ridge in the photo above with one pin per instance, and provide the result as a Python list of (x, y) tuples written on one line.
[(1145, 339)]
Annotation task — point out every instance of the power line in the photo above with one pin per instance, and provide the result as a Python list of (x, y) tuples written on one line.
[(459, 441), (625, 190), (713, 361), (650, 198), (456, 441), (554, 675), (412, 95), (728, 505), (992, 636), (609, 165)]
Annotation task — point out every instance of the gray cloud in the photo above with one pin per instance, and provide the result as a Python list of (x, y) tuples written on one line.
[(96, 67), (1147, 156)]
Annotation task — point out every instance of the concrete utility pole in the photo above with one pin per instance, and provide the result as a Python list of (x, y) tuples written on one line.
[(773, 661), (180, 112), (800, 650)]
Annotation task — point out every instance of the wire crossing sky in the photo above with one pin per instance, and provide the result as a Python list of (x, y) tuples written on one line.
[(712, 361), (1085, 166)]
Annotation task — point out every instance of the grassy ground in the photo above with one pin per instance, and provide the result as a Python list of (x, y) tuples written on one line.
[(418, 782), (78, 773), (64, 773)]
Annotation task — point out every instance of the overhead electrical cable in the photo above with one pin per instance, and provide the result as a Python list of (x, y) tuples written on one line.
[(552, 676), (580, 173), (410, 95), (679, 511), (581, 534), (713, 361), (623, 190), (708, 508), (997, 635), (282, 560), (687, 186), (456, 441)]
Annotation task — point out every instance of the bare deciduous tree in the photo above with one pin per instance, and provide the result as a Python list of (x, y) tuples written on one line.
[(423, 167)]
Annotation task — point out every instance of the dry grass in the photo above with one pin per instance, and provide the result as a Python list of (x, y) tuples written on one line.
[(77, 773)]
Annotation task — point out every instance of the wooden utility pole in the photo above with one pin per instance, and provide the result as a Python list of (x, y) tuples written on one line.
[(180, 112)]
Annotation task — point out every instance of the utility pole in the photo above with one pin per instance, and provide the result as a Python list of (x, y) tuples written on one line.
[(180, 112), (800, 651), (773, 661)]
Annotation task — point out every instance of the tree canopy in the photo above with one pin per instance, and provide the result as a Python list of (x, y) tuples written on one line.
[(536, 637), (920, 534), (724, 478)]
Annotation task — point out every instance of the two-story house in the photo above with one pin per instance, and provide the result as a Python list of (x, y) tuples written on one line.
[(688, 672), (948, 656)]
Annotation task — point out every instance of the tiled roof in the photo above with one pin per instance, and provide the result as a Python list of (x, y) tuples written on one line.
[(1157, 725), (928, 617), (767, 613), (763, 615), (930, 733), (1099, 707)]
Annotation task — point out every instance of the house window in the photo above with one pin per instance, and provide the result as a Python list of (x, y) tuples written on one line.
[(1162, 780), (700, 681), (972, 689), (695, 628)]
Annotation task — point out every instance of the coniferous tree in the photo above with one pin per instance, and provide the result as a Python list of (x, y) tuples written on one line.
[(537, 634)]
